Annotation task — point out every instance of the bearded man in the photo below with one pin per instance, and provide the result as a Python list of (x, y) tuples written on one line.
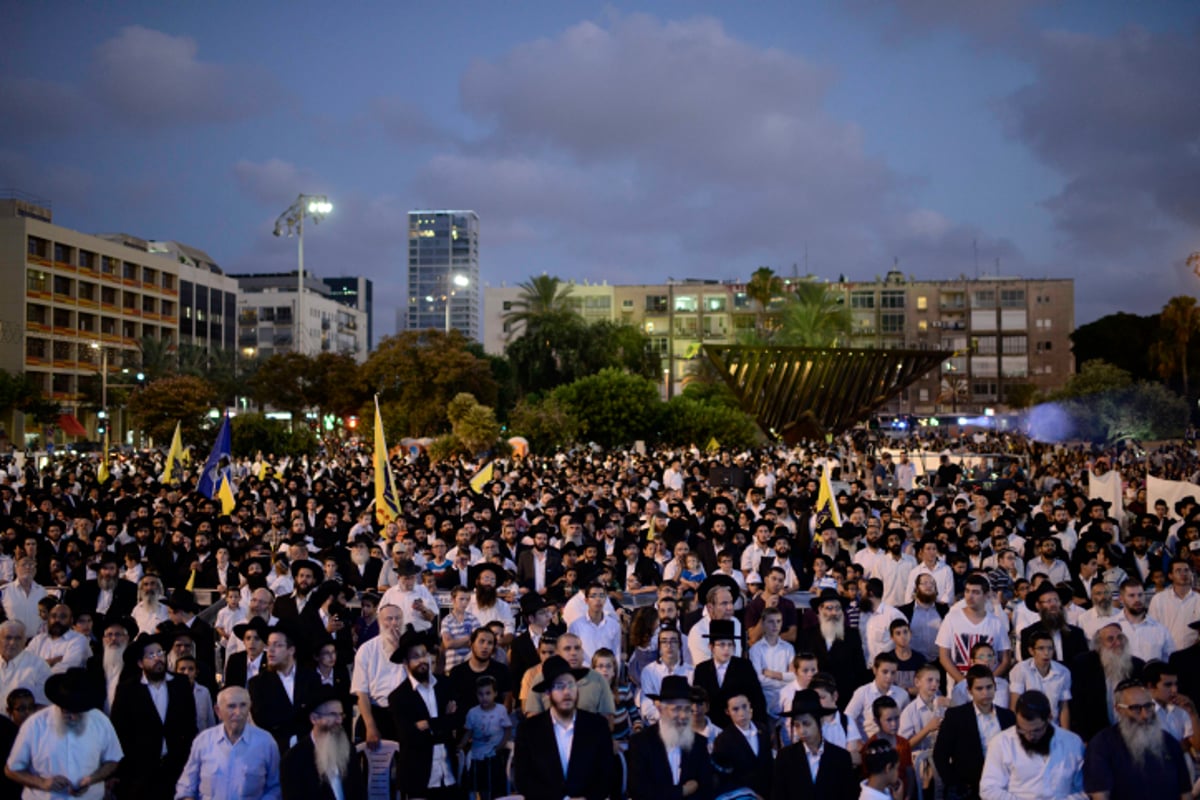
[(486, 605), (665, 759), (1094, 676), (319, 767), (149, 611), (839, 649), (559, 752), (106, 594), (111, 663), (1135, 758), (1047, 601), (1033, 759)]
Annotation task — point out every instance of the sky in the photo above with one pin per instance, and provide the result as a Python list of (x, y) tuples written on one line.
[(628, 142)]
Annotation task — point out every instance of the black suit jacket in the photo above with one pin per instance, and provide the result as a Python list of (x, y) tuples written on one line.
[(958, 753), (298, 777), (271, 709), (142, 732), (537, 770), (367, 579), (285, 607), (522, 655), (415, 758), (526, 573), (792, 780), (86, 596), (908, 608), (1074, 643), (644, 569), (650, 773), (736, 765), (1090, 695), (1187, 664), (844, 660), (740, 678), (236, 673)]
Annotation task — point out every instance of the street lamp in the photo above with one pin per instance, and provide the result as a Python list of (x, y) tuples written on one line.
[(103, 379), (460, 281), (315, 206)]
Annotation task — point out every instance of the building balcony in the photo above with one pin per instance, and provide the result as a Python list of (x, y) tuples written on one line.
[(63, 265)]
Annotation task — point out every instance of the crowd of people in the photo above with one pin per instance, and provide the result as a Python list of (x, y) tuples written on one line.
[(671, 624)]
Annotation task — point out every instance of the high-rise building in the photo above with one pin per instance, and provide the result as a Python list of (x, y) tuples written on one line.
[(267, 322), (443, 272), (356, 293)]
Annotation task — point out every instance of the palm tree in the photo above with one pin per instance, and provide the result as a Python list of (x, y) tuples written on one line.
[(541, 295), (158, 357), (1180, 318), (763, 287), (813, 317)]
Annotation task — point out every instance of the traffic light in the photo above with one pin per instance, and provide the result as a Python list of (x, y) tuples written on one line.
[(352, 422)]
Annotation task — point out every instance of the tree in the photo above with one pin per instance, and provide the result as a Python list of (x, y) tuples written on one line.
[(156, 407), (1179, 320), (282, 381), (540, 295), (763, 287), (546, 423), (421, 371), (158, 358), (335, 385), (612, 407), (813, 316), (20, 393), (686, 421), (254, 433), (1094, 376), (1120, 339), (474, 426)]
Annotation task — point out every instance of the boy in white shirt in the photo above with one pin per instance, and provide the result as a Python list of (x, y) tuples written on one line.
[(1040, 671)]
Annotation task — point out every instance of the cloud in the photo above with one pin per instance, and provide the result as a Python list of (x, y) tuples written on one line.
[(405, 123), (274, 181), (995, 24)]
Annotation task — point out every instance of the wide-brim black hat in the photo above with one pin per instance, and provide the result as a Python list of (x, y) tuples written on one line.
[(674, 687), (1184, 501), (715, 580), (827, 595), (487, 566), (133, 653), (411, 638), (182, 600), (75, 690), (406, 568), (721, 630), (532, 603), (256, 624), (554, 668), (299, 563), (1044, 588)]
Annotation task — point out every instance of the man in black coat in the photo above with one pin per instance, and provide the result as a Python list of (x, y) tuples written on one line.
[(741, 755), (792, 779), (182, 609), (1094, 675), (245, 664), (362, 571), (107, 595), (725, 675), (958, 752), (427, 757), (838, 649), (1047, 601), (538, 770), (528, 564), (1186, 663), (306, 772), (648, 760), (273, 703), (305, 574), (154, 716)]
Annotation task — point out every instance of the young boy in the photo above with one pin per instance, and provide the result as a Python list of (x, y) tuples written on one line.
[(887, 720), (1040, 671), (701, 724), (804, 668), (908, 660), (771, 657), (457, 628), (487, 731), (836, 727), (884, 685), (806, 730), (920, 720), (982, 654)]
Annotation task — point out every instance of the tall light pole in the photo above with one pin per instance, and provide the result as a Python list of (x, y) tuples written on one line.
[(460, 281), (316, 206), (103, 380)]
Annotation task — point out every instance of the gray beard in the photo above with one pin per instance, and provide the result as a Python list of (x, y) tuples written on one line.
[(1105, 608), (331, 753), (1144, 739), (1116, 667), (114, 660), (833, 629), (683, 738), (63, 729)]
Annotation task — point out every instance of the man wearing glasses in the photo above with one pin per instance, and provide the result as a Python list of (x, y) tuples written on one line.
[(1135, 758), (320, 766)]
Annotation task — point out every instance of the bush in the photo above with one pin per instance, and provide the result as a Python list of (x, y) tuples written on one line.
[(253, 433), (684, 421), (613, 408)]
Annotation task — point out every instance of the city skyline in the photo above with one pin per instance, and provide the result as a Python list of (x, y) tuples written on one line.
[(629, 143)]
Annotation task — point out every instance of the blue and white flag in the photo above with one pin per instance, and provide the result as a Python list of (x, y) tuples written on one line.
[(210, 478)]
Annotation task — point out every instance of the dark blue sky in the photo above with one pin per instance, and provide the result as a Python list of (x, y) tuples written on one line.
[(627, 142)]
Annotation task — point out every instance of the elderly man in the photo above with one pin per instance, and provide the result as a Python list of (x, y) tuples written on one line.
[(321, 766), (21, 597), (233, 760), (375, 677), (110, 663), (418, 607), (560, 752), (665, 760), (718, 592), (1035, 758), (1135, 758), (69, 748), (19, 668), (838, 648), (1093, 677), (149, 611), (61, 647)]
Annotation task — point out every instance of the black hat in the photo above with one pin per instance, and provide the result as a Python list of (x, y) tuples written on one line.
[(265, 563), (364, 538), (487, 566), (131, 627), (674, 687), (75, 690), (316, 568), (807, 701), (411, 638), (1044, 588), (826, 596), (721, 630), (137, 648), (256, 624), (406, 568), (554, 668), (182, 600), (323, 694), (715, 580), (532, 603), (1184, 501)]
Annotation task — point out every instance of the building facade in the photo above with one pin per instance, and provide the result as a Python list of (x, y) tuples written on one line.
[(356, 293), (267, 318), (443, 272), (1006, 333), (207, 298)]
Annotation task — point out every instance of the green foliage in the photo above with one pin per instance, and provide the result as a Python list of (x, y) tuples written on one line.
[(444, 447), (1178, 323), (253, 433), (559, 347), (160, 404), (1020, 395), (684, 421), (540, 296), (613, 407), (19, 393), (473, 425), (813, 316), (712, 392), (545, 423), (1121, 339), (1093, 377), (1143, 411)]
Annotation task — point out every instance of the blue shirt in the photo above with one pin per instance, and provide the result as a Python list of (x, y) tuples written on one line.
[(219, 769)]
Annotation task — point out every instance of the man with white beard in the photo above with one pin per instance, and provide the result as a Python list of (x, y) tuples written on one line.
[(375, 677), (665, 759), (838, 649), (149, 611), (1135, 758), (319, 767), (1101, 612), (69, 748), (117, 634), (1094, 675)]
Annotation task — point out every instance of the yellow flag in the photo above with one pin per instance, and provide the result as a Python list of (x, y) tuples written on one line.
[(713, 445), (483, 477), (191, 581), (387, 502), (225, 493), (261, 471), (174, 469), (825, 498), (102, 471)]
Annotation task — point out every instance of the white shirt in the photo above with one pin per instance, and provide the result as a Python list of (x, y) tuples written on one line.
[(23, 607), (877, 635), (594, 636), (1176, 614), (778, 658), (988, 726), (697, 639), (404, 601), (943, 576), (374, 674), (439, 773), (564, 738), (501, 611), (72, 647), (288, 679), (751, 735), (39, 749), (1012, 773), (814, 760), (859, 707), (894, 573), (1056, 684), (147, 620), (1091, 621), (865, 792), (958, 635), (539, 570), (1149, 640), (652, 675), (26, 671)]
